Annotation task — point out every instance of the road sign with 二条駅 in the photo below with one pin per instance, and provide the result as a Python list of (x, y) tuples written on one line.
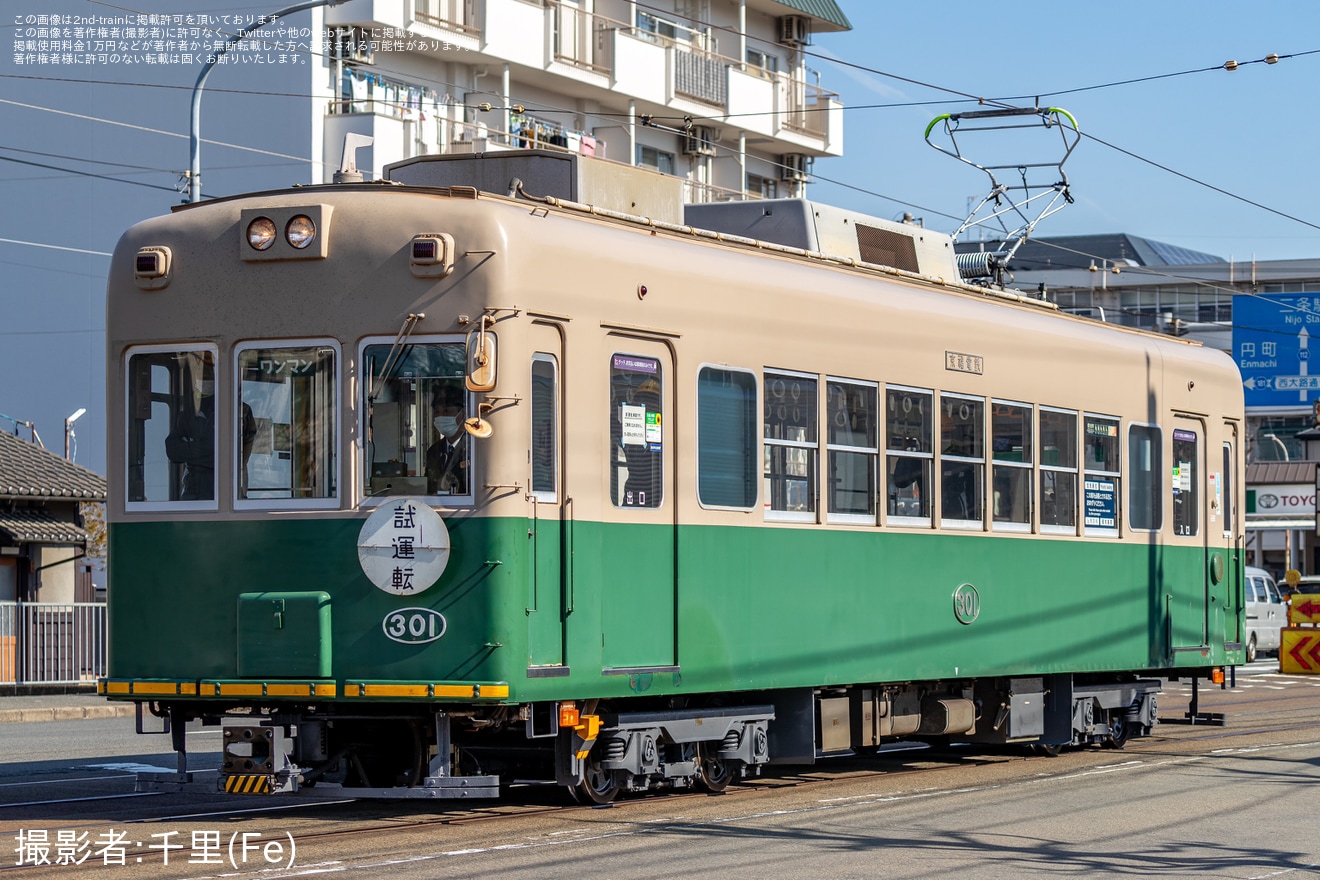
[(1272, 347), (1304, 609), (1300, 651)]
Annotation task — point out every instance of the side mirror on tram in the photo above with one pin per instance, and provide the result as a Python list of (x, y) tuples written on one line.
[(481, 366)]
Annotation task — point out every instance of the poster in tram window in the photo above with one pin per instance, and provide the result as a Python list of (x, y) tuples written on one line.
[(636, 431), (1101, 503)]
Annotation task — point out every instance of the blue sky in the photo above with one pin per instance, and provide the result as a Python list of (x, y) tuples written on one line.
[(1248, 132)]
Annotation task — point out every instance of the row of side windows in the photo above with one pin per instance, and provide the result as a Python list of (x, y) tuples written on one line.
[(1018, 465), (1048, 468)]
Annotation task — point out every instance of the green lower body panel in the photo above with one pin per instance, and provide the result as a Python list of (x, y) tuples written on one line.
[(576, 610)]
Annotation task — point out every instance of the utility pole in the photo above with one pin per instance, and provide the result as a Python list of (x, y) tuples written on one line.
[(195, 126)]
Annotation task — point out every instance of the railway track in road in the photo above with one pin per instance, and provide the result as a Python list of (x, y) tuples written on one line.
[(304, 823)]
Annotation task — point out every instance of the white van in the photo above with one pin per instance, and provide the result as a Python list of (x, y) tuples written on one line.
[(1266, 612)]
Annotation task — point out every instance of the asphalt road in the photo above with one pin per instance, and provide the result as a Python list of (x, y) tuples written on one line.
[(1236, 801)]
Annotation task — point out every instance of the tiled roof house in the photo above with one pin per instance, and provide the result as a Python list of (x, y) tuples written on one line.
[(41, 526)]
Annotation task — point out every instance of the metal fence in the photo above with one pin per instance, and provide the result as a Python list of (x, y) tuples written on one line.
[(52, 643)]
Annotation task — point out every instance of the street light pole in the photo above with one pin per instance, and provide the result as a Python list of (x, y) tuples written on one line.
[(68, 429), (1282, 446), (195, 126)]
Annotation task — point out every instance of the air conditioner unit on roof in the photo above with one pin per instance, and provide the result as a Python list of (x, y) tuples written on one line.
[(699, 141), (794, 167), (794, 30)]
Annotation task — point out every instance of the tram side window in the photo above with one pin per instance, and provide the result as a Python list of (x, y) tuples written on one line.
[(289, 392), (1011, 446), (545, 427), (636, 431), (1058, 470), (415, 404), (850, 411), (910, 452), (1186, 483), (171, 426), (726, 438), (962, 459), (791, 440), (1227, 487), (1145, 478), (1100, 495)]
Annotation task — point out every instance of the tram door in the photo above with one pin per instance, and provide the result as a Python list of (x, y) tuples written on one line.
[(1190, 494), (1229, 534), (548, 498), (638, 536)]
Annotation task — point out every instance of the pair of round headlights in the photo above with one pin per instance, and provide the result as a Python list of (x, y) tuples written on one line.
[(299, 232)]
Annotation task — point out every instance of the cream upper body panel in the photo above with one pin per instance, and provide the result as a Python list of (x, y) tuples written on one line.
[(705, 302)]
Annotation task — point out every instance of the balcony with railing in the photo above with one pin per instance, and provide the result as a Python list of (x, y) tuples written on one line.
[(697, 69), (582, 39), (807, 107), (459, 16)]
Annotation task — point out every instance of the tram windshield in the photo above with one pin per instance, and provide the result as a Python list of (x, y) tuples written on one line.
[(171, 426), (416, 403), (287, 418)]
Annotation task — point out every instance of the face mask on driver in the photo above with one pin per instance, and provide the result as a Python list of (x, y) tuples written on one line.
[(446, 424)]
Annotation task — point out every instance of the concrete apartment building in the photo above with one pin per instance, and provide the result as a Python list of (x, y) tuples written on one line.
[(718, 92)]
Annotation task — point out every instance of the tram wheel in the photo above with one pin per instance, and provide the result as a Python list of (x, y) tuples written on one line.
[(714, 774), (1118, 732), (1048, 750), (598, 786)]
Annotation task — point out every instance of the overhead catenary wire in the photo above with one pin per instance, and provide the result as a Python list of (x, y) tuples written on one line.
[(855, 188), (1203, 183), (779, 165), (860, 67), (965, 95), (1009, 102), (88, 174), (151, 130), (1268, 59), (1001, 102), (1201, 282), (979, 99), (56, 247)]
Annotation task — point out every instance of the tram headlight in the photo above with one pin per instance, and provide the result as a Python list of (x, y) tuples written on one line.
[(300, 231), (261, 233), (305, 230)]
